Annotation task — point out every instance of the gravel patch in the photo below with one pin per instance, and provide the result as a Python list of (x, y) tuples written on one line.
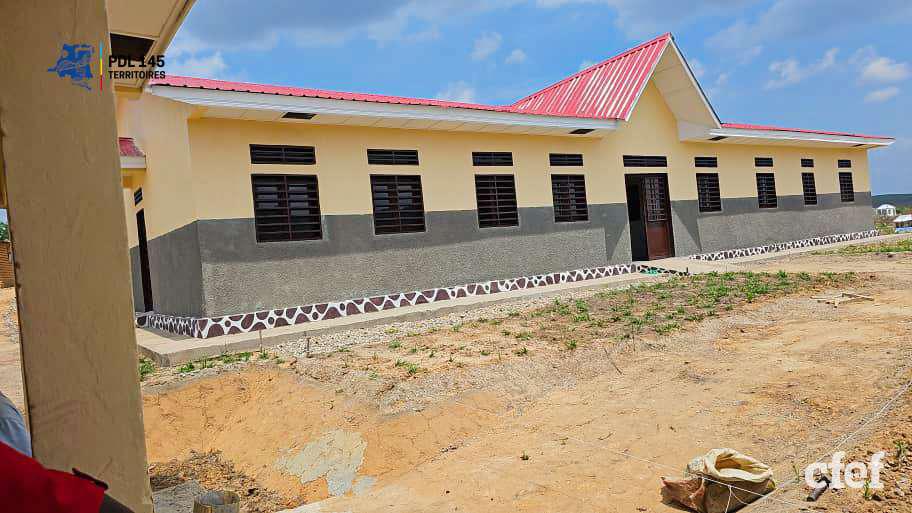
[(387, 332)]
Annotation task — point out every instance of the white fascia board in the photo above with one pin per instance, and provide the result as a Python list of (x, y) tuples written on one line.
[(694, 82), (132, 162), (259, 101), (784, 135)]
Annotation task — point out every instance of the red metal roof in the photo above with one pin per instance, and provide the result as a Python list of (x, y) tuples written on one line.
[(606, 90), (222, 85), (800, 130), (128, 147)]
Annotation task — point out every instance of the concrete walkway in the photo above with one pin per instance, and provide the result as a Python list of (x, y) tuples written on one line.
[(167, 349)]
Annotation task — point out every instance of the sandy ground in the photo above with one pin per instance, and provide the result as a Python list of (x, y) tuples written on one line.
[(564, 430), (10, 370)]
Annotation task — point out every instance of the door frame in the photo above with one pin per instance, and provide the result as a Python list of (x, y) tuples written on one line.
[(144, 272), (637, 179)]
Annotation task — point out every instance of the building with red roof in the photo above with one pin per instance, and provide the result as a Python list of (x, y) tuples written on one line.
[(260, 205)]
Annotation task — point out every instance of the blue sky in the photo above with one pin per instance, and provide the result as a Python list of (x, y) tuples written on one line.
[(826, 64)]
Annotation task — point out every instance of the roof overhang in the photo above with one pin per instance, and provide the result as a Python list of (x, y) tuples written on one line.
[(145, 25), (681, 90), (271, 107), (726, 135)]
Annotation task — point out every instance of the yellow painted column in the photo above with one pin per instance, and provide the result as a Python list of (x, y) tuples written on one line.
[(67, 220)]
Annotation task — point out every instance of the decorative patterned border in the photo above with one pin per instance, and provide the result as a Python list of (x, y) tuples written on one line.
[(205, 327), (782, 246)]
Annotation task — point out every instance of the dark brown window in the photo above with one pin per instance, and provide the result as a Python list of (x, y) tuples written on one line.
[(496, 198), (846, 188), (392, 157), (566, 159), (706, 162), (569, 192), (807, 162), (492, 158), (137, 196), (709, 199), (645, 161), (278, 154), (844, 163), (286, 208), (810, 188), (398, 204), (766, 190), (763, 161)]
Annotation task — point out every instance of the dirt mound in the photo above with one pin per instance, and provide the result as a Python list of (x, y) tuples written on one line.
[(212, 473)]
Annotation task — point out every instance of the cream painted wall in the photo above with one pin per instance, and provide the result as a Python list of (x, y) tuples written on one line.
[(222, 168), (652, 130), (159, 127), (200, 167)]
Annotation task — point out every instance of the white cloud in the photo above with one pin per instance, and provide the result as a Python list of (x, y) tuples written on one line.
[(485, 45), (646, 18), (459, 91), (517, 56), (884, 69), (697, 67), (792, 20), (586, 64), (212, 66), (790, 71), (881, 95)]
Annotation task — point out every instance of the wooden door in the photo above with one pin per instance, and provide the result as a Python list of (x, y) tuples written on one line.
[(657, 217)]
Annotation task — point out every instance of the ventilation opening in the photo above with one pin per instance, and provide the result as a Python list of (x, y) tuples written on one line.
[(718, 138), (807, 162), (581, 131), (492, 158), (844, 163), (706, 162), (763, 161), (566, 159), (278, 154), (645, 161), (136, 48), (298, 115), (392, 157)]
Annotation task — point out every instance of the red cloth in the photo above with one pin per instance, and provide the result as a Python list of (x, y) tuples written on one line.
[(27, 487)]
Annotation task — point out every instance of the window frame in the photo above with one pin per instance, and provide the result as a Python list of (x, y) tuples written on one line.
[(505, 210), (843, 192), (760, 193), (284, 189), (575, 185), (394, 196), (709, 207), (813, 186)]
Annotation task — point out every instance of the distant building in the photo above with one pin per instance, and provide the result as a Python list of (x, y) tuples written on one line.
[(886, 210), (903, 223)]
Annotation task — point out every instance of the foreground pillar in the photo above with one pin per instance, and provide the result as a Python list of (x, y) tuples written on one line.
[(63, 191)]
